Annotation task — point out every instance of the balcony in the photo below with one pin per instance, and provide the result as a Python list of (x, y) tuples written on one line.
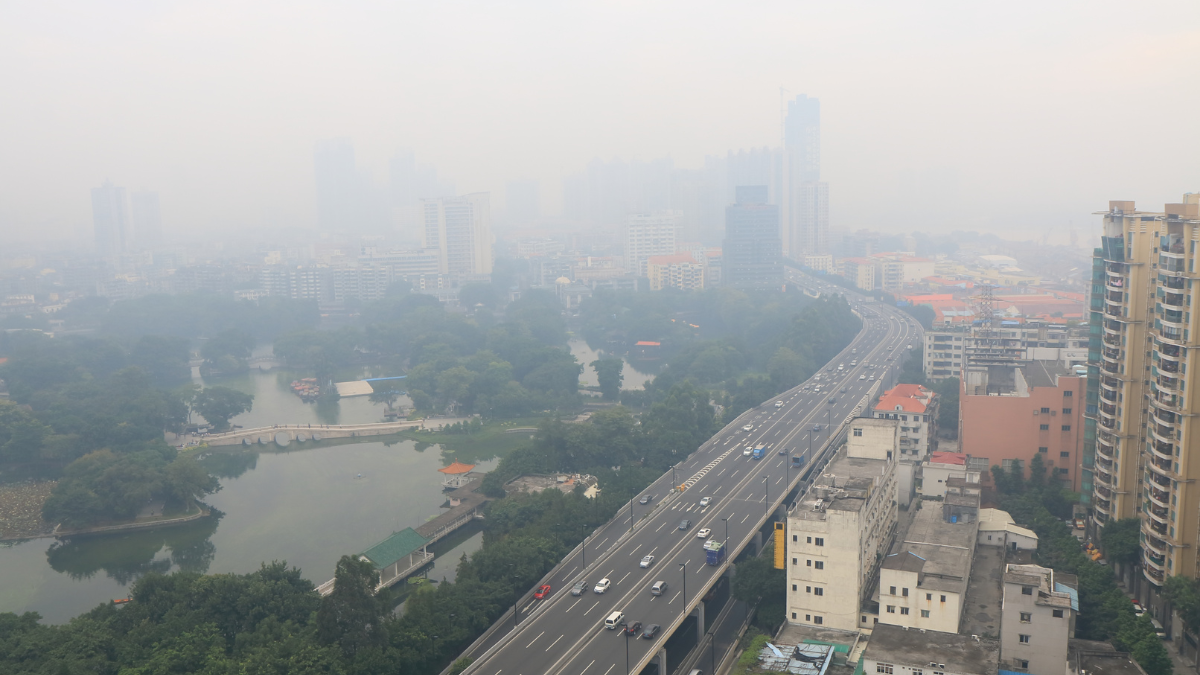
[(1160, 497), (1156, 544), (1110, 367), (1103, 463), (1158, 479), (1103, 492), (1108, 409), (1154, 560), (1159, 512), (1173, 351), (1110, 383), (1113, 310), (1173, 300), (1162, 436), (1112, 340), (1117, 268), (1112, 353), (1106, 451), (1102, 477), (1115, 296), (1100, 510), (1164, 416), (1172, 316), (1172, 282), (1113, 326), (1108, 395), (1168, 366), (1156, 577), (1107, 423), (1159, 467), (1160, 528), (1168, 383), (1163, 450), (1170, 333)]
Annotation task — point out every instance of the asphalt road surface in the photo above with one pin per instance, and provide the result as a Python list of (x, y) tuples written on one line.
[(566, 634)]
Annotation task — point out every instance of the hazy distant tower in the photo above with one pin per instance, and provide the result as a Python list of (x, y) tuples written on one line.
[(460, 229), (110, 218), (649, 234), (806, 199), (751, 254)]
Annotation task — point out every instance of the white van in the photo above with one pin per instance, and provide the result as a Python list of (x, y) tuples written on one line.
[(615, 619)]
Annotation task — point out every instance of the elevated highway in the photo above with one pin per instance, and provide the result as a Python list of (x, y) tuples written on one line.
[(565, 634)]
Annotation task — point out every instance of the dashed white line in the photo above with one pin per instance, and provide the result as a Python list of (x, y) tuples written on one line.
[(635, 548), (555, 641), (673, 599), (591, 608), (534, 640), (573, 605), (624, 577)]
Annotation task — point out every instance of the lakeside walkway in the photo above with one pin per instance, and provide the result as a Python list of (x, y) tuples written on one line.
[(287, 433)]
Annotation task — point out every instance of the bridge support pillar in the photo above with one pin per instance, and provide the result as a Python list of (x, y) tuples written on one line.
[(758, 542), (699, 623), (662, 660)]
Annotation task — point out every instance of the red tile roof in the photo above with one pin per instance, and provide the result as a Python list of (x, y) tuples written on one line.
[(948, 458), (912, 398)]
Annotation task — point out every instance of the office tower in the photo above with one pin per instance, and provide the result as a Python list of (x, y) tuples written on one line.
[(346, 201), (752, 252), (110, 218), (147, 219), (523, 203), (460, 229), (411, 182), (1141, 439), (806, 198), (648, 234)]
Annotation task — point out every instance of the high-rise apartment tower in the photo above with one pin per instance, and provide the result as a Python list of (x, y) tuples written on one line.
[(805, 198), (752, 250), (1142, 437), (111, 218), (460, 229)]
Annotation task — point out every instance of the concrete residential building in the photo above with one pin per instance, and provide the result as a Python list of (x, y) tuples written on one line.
[(1030, 340), (752, 251), (941, 467), (836, 537), (997, 528), (460, 229), (820, 263), (858, 271), (896, 650), (924, 585), (1036, 620), (1147, 445), (679, 271), (648, 234), (806, 198), (916, 407), (1010, 413)]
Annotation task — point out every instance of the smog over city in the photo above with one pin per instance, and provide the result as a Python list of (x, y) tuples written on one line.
[(595, 338)]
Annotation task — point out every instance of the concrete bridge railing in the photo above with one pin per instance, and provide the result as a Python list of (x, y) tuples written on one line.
[(306, 432)]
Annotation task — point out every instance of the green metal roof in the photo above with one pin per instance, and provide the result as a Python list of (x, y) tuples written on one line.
[(394, 547)]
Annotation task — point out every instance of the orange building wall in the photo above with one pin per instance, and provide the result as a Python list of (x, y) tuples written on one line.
[(1004, 427)]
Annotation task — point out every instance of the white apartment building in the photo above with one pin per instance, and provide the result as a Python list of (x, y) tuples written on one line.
[(940, 468), (820, 263), (916, 407), (836, 536), (649, 234), (1032, 340), (1037, 618), (924, 585), (460, 229)]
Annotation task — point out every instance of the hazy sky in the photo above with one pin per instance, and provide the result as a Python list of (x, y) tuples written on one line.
[(1015, 117)]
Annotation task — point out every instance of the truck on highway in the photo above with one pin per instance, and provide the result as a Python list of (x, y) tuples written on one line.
[(759, 451), (714, 552), (798, 461)]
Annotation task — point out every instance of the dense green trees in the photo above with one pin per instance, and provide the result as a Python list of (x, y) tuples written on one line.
[(226, 353), (218, 405)]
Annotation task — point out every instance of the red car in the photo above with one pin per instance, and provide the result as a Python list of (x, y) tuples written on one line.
[(542, 592)]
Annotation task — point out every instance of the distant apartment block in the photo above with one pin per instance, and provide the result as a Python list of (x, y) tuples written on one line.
[(649, 234), (858, 271), (1010, 413), (295, 282), (838, 534), (902, 651), (679, 271), (460, 230), (820, 263), (753, 250), (1015, 340), (916, 408), (111, 218)]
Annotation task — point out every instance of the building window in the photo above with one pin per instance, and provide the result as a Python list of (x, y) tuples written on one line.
[(818, 591), (904, 611), (1022, 663), (793, 561), (808, 617), (858, 432), (929, 596), (891, 609), (1066, 427), (1066, 411), (892, 590), (1045, 411), (1026, 617), (943, 598), (904, 592), (1024, 639), (1065, 453), (795, 538), (810, 540), (924, 614), (883, 668), (808, 563), (820, 564), (1044, 427), (1027, 590), (1043, 449), (818, 620), (864, 619), (793, 615), (1068, 393), (808, 589), (820, 541), (1058, 613)]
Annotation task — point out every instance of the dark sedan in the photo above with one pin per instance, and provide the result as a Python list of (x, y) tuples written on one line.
[(650, 631)]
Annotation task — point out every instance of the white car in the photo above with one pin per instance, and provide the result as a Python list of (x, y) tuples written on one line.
[(647, 561), (705, 501), (862, 377), (602, 585), (778, 404), (703, 534), (748, 451), (748, 427)]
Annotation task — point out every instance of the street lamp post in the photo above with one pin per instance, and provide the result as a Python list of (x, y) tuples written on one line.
[(683, 565), (625, 630), (766, 494)]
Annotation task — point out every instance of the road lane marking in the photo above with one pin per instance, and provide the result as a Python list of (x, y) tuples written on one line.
[(534, 640), (673, 599), (744, 518), (555, 641), (573, 605), (624, 577), (570, 574), (605, 672), (591, 608), (635, 548), (661, 526), (602, 543)]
